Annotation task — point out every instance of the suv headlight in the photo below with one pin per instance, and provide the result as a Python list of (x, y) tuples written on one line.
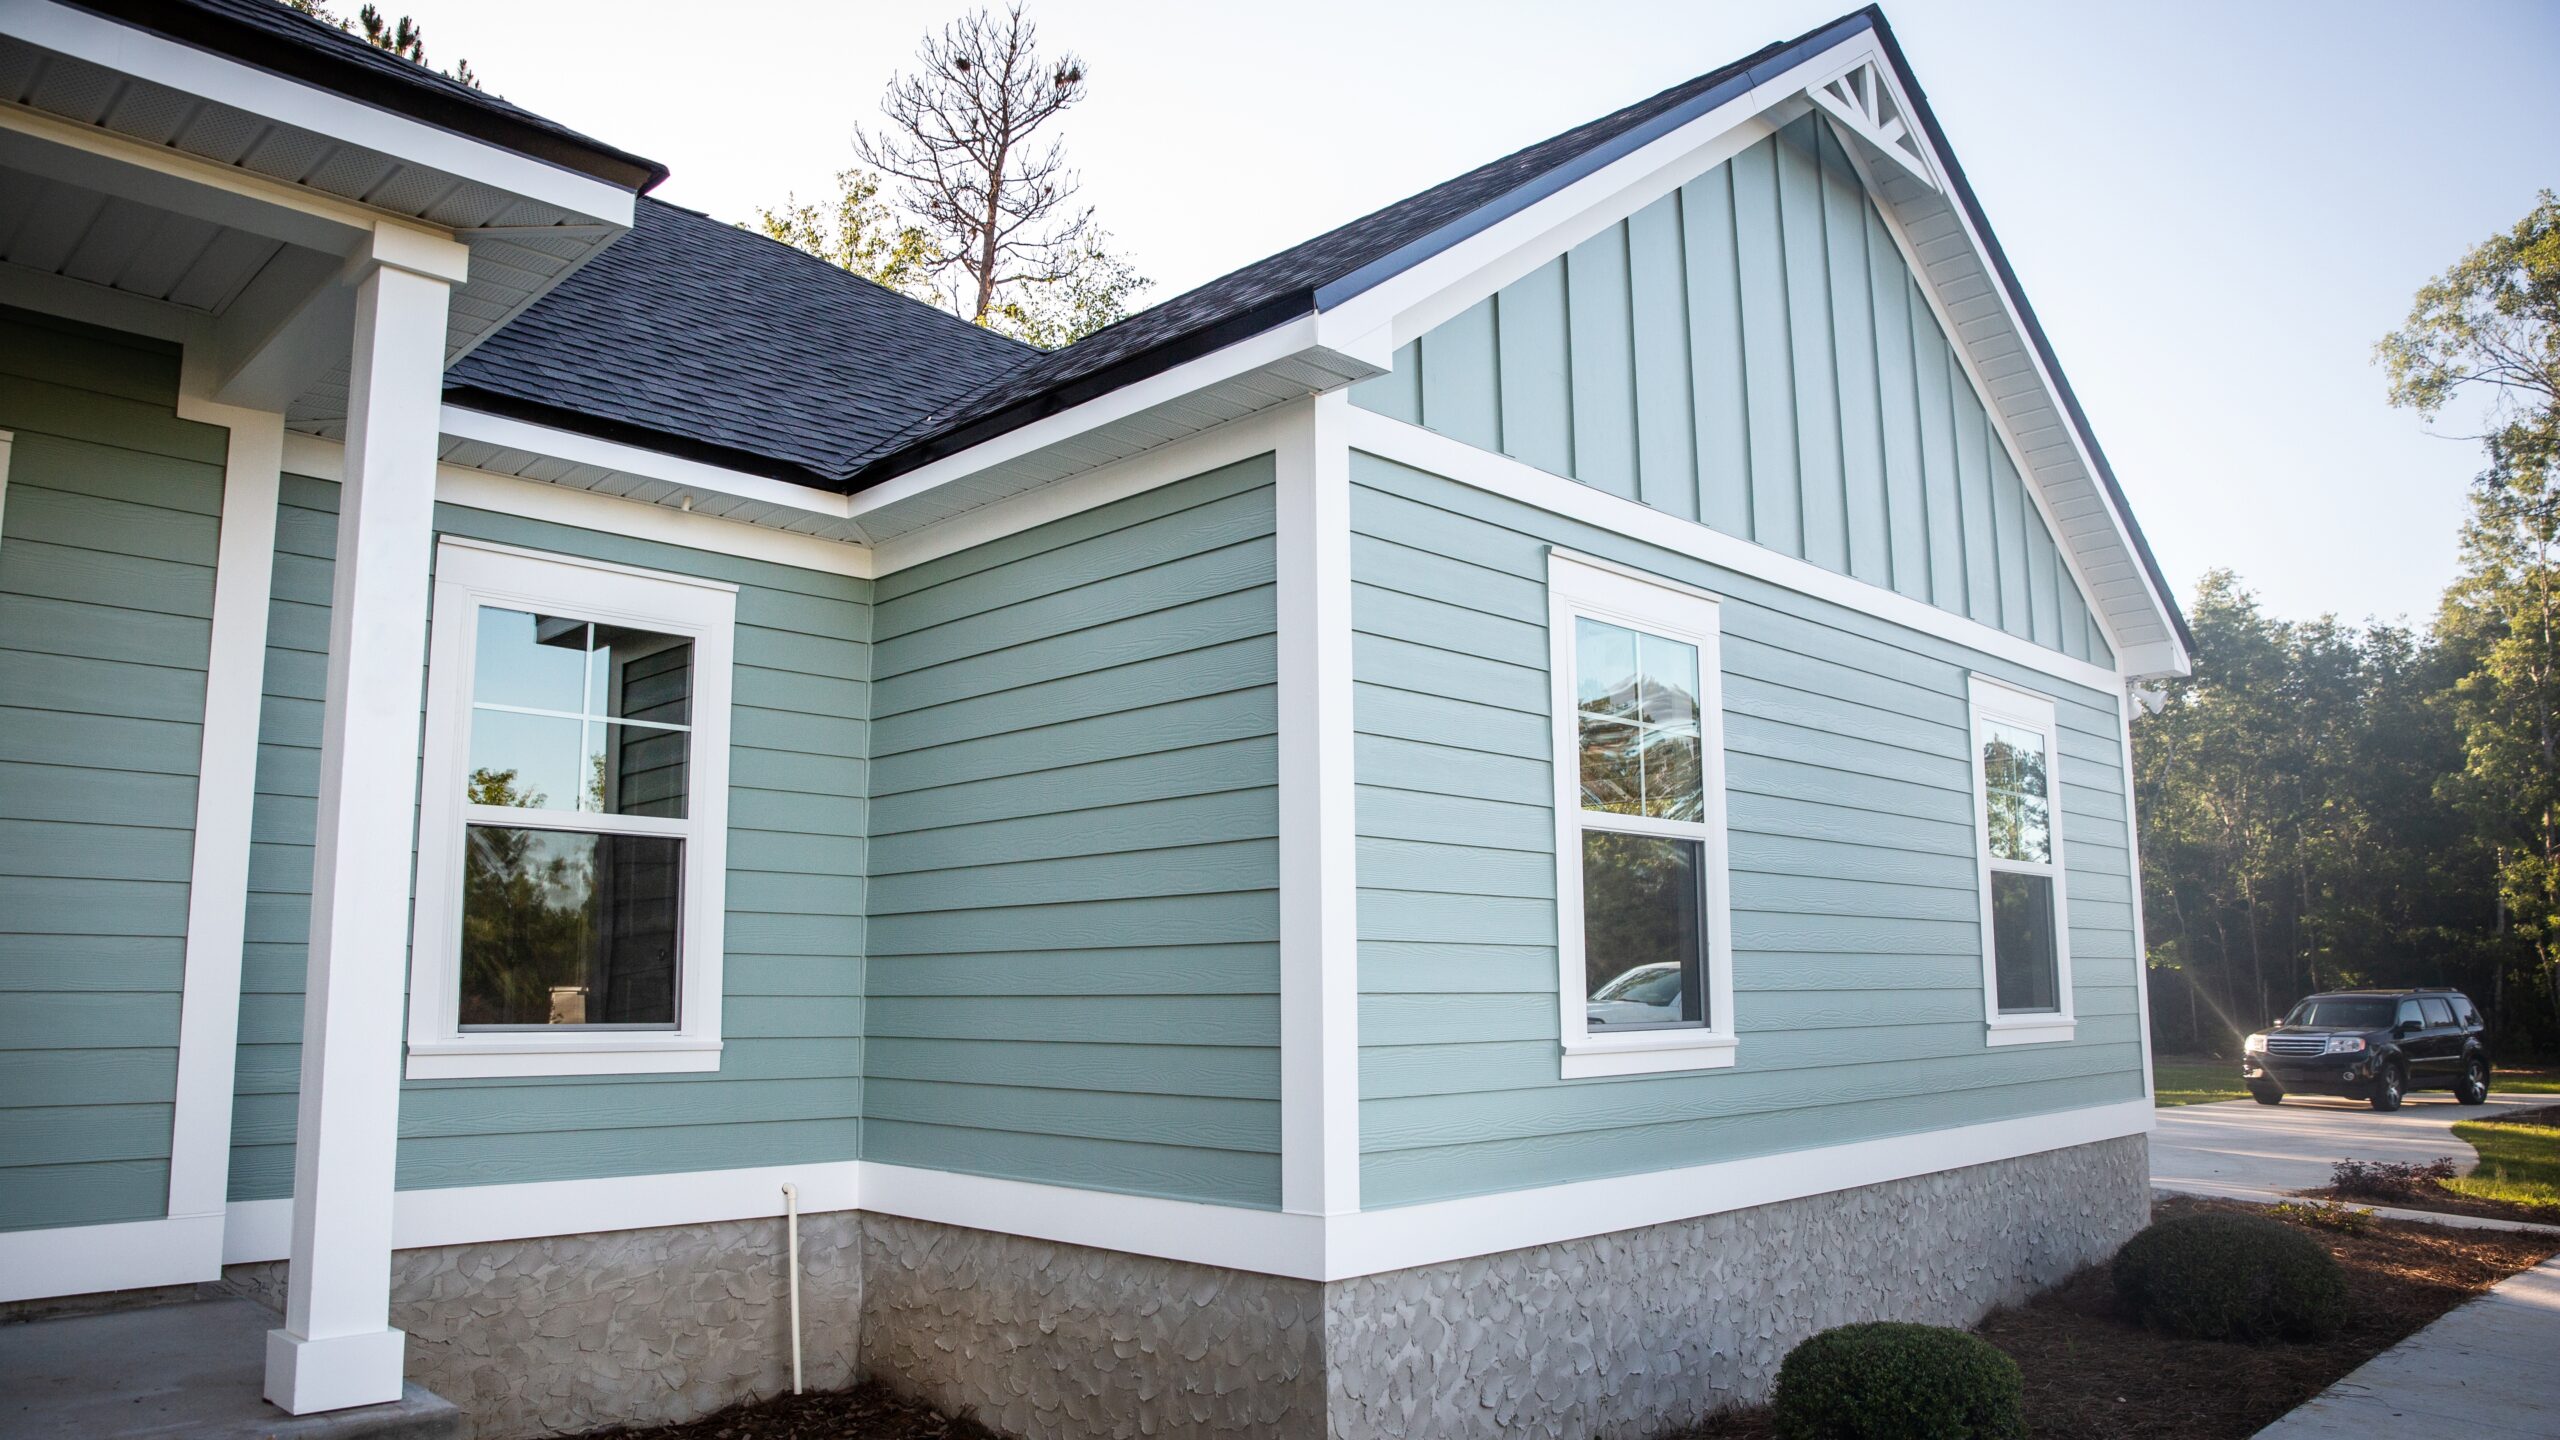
[(2255, 1045), (2345, 1044)]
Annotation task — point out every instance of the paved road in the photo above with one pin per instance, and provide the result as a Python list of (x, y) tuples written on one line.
[(2251, 1151), (2483, 1372)]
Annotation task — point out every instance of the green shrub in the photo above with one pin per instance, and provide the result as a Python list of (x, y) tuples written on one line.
[(2231, 1277), (1891, 1381)]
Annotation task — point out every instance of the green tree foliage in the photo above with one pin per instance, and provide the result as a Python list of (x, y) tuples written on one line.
[(857, 232), (404, 37)]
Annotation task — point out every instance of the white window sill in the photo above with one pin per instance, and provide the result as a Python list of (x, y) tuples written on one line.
[(1656, 1053), (2029, 1030), (502, 1057)]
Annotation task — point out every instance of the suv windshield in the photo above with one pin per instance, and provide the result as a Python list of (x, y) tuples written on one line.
[(2336, 1012)]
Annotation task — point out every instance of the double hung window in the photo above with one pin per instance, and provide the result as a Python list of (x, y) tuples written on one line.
[(2018, 834), (573, 827), (1645, 944)]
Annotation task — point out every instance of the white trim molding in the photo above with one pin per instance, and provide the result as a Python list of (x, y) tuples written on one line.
[(1995, 703), (1319, 879), (1390, 439), (2126, 709), (1266, 1242), (94, 1259), (1579, 589), (472, 577)]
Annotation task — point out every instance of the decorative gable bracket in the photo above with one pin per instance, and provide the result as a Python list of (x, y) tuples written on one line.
[(1862, 100)]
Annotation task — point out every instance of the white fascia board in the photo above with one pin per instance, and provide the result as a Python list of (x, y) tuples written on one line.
[(320, 459), (129, 51), (1267, 1242), (1437, 454), (1281, 342), (2161, 658), (463, 423)]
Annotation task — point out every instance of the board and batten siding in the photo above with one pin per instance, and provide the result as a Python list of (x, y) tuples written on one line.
[(1752, 353), (1074, 968), (107, 536), (1857, 948), (789, 1086)]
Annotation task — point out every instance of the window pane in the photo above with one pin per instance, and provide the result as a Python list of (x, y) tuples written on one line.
[(1670, 681), (530, 762), (530, 660), (2013, 759), (568, 929), (1605, 659), (1643, 948), (1612, 767), (2438, 1012), (1673, 787), (640, 675), (2022, 941), (2021, 827), (635, 770)]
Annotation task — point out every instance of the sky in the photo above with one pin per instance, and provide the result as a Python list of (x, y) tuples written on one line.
[(2216, 209)]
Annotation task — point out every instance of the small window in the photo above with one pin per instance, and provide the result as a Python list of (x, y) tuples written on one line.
[(2470, 1015), (2439, 1014), (2017, 818), (573, 833), (1645, 943)]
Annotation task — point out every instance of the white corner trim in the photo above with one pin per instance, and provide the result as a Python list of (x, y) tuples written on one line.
[(318, 459), (226, 784), (90, 1259), (1484, 470), (1380, 1240), (2125, 711), (8, 442), (1267, 1242), (126, 50), (1319, 880)]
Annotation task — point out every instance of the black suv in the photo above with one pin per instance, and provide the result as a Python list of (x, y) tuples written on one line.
[(2375, 1045)]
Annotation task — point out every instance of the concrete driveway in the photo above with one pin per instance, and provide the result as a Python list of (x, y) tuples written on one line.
[(2251, 1151)]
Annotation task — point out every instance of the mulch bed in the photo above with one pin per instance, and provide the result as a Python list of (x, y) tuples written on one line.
[(2090, 1374), (2093, 1374)]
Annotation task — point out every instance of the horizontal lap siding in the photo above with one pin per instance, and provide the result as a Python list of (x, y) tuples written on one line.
[(1074, 974), (108, 527), (1752, 353), (1857, 961), (789, 1086)]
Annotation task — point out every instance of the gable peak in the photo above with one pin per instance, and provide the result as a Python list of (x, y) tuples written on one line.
[(1862, 99)]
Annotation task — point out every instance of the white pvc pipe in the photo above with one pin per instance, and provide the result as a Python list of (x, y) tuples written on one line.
[(791, 1222)]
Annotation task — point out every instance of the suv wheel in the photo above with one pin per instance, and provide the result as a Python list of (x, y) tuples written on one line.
[(2266, 1094), (2474, 1089), (2388, 1088)]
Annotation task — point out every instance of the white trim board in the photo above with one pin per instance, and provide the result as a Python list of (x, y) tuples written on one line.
[(1411, 445), (132, 1255), (1269, 1242)]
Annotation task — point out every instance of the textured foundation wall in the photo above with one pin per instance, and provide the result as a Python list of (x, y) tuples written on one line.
[(1615, 1337), (1629, 1335), (575, 1332), (1050, 1341)]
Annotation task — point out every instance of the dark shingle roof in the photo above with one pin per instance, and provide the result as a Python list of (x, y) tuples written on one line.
[(273, 36), (698, 338)]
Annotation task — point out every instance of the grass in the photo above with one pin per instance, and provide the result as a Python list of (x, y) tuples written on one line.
[(2527, 1080), (2195, 1080), (2519, 1161)]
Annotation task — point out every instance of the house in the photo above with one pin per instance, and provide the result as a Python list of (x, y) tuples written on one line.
[(1468, 830)]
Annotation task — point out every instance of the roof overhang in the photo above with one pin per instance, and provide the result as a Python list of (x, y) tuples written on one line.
[(183, 192)]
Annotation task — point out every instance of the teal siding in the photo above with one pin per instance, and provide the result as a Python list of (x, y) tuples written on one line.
[(107, 535), (1751, 352), (789, 1087), (1857, 969), (1075, 968)]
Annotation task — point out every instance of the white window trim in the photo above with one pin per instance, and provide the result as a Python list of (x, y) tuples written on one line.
[(469, 574), (1579, 585), (2026, 710)]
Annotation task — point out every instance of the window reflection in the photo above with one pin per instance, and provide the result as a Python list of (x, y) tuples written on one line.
[(562, 928), (2022, 941), (573, 715), (1643, 944), (1637, 695), (2015, 794)]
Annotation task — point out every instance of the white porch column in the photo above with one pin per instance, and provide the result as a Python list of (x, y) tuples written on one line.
[(337, 1347)]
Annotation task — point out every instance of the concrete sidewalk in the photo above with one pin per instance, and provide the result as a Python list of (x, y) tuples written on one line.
[(2242, 1150), (2483, 1371)]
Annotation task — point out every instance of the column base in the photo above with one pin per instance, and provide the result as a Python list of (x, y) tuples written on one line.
[(337, 1373)]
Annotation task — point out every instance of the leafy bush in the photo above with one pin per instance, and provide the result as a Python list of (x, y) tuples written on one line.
[(1892, 1381), (2382, 1180), (2231, 1277), (2345, 1219)]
